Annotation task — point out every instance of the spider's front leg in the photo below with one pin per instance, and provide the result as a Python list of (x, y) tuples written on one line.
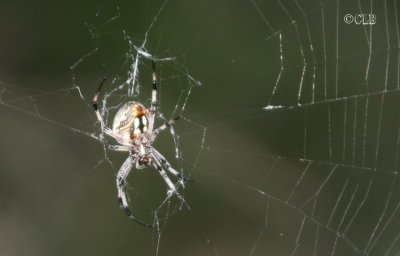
[(168, 181), (182, 179), (121, 181)]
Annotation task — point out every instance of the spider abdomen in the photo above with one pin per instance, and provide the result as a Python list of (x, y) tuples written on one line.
[(131, 120)]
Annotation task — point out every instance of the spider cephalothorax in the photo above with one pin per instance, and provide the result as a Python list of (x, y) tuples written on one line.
[(133, 129)]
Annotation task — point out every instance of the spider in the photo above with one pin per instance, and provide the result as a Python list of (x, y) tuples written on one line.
[(133, 129)]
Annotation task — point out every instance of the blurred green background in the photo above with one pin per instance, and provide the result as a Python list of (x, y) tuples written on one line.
[(315, 177)]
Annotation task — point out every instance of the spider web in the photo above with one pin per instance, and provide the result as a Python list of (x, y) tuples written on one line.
[(287, 127)]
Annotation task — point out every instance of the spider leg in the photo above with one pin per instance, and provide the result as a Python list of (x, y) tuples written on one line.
[(153, 106), (165, 126), (95, 104), (172, 188), (170, 168), (107, 130), (121, 148), (121, 180), (117, 137)]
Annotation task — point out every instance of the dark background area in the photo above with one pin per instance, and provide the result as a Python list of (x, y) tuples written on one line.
[(317, 176)]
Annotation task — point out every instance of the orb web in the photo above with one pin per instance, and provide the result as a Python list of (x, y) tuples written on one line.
[(287, 127)]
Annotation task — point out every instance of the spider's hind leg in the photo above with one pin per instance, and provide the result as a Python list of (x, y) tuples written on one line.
[(154, 102), (95, 103), (165, 126)]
